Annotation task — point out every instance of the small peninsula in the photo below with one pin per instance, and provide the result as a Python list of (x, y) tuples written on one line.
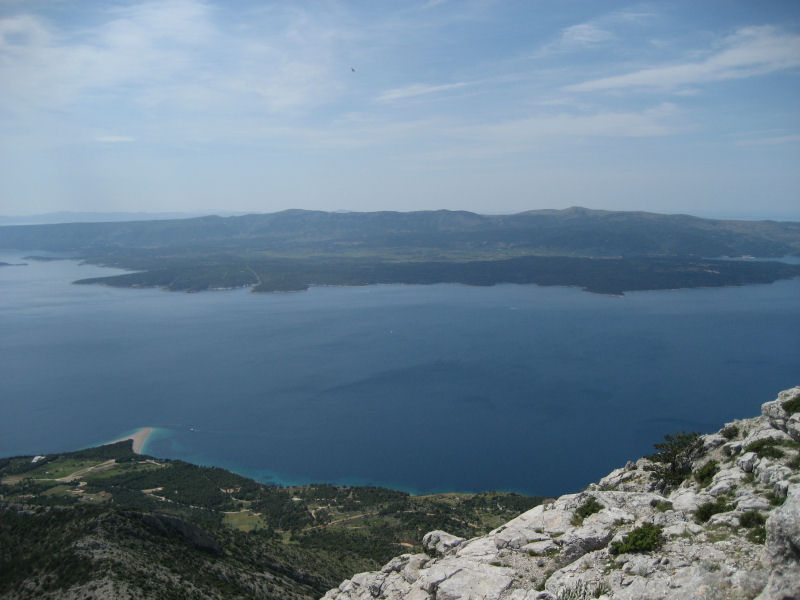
[(138, 439)]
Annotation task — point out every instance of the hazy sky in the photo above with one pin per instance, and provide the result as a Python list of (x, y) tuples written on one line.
[(487, 105)]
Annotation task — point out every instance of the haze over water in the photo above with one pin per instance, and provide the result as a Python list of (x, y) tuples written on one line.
[(424, 388)]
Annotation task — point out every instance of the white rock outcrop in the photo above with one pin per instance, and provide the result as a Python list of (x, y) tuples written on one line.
[(712, 529)]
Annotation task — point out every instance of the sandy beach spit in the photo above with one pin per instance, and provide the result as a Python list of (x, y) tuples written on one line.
[(139, 438)]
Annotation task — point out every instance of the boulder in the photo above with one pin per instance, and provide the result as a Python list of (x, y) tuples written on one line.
[(747, 461), (725, 481), (783, 550), (441, 542), (478, 582), (793, 427), (774, 412)]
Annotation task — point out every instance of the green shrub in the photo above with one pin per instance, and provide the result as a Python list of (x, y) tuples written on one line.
[(707, 510), (589, 507), (706, 473), (730, 432), (765, 448), (751, 519), (642, 539), (792, 406), (674, 458), (661, 505)]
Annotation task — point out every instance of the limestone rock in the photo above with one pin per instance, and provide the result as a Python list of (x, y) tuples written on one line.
[(793, 427), (713, 441), (783, 549), (747, 461), (441, 542), (470, 581), (752, 502), (725, 480), (774, 411)]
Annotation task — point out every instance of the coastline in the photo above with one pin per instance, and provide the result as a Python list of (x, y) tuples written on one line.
[(139, 438)]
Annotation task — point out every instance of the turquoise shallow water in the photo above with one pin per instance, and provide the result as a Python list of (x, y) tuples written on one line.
[(424, 388)]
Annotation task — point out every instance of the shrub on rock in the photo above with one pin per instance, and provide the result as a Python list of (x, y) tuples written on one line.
[(645, 538)]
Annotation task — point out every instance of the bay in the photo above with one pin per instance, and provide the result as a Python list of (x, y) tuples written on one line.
[(423, 388)]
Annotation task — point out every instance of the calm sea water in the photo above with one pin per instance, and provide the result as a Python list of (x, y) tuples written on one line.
[(423, 388)]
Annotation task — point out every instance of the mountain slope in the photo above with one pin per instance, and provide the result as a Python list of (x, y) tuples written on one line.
[(108, 523), (570, 232), (714, 516)]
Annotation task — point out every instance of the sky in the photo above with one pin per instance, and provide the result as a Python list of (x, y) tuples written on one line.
[(484, 105)]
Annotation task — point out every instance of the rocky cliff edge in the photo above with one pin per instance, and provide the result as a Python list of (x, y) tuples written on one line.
[(709, 517)]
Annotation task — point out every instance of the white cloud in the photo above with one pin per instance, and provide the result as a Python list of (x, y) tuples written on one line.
[(770, 141), (750, 52), (592, 33), (417, 89), (652, 122), (113, 139), (171, 54), (585, 34)]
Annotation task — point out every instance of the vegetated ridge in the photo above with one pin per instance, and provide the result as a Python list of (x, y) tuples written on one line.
[(712, 516), (108, 523), (601, 251)]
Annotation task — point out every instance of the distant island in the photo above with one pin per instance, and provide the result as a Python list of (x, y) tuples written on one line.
[(45, 258), (600, 251)]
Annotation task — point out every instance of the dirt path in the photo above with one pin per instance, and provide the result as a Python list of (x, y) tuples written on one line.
[(81, 472), (337, 521)]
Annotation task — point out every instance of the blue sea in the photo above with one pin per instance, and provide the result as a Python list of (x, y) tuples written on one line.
[(533, 389)]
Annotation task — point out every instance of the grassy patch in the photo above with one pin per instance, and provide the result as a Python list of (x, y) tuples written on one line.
[(754, 521), (645, 538), (244, 521), (62, 468), (58, 490), (757, 535), (542, 583), (794, 463), (775, 499), (718, 534)]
